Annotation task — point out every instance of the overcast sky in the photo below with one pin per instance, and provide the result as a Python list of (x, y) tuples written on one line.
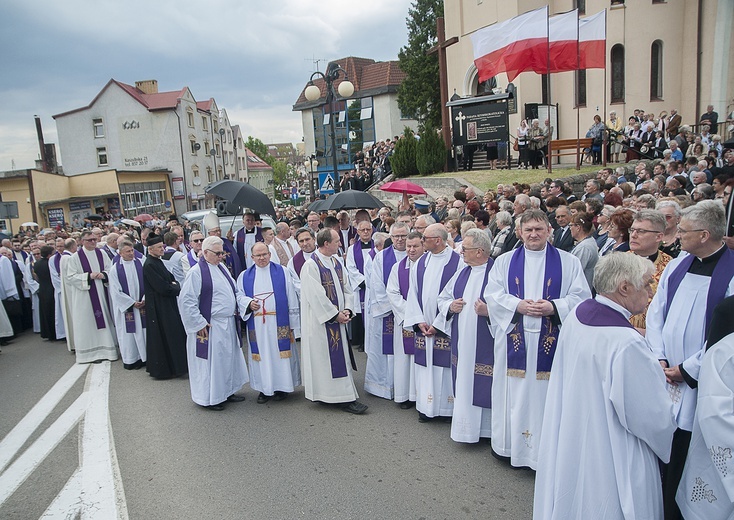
[(252, 56)]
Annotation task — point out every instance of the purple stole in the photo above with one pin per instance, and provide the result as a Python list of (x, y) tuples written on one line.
[(298, 260), (388, 322), (282, 317), (191, 258), (333, 330), (138, 255), (130, 313), (441, 344), (359, 262), (516, 353), (720, 279), (93, 294), (231, 260), (205, 305), (109, 252), (240, 247), (57, 261), (404, 285), (484, 357), (595, 314)]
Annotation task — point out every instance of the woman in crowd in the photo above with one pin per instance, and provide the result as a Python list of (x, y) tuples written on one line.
[(504, 221), (602, 232), (453, 227), (619, 230), (523, 135), (596, 132), (492, 208), (585, 249)]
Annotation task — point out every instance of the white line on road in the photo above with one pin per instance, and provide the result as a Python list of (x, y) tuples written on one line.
[(22, 431), (68, 503), (16, 474)]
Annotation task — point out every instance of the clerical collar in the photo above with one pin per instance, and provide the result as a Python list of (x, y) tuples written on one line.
[(653, 257), (365, 245), (706, 266), (249, 230), (713, 258)]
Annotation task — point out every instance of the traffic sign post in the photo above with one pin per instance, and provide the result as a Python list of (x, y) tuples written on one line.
[(9, 210), (326, 183)]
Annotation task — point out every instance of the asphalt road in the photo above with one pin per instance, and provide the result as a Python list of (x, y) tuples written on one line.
[(281, 460)]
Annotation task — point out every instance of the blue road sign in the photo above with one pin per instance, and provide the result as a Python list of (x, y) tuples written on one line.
[(326, 183)]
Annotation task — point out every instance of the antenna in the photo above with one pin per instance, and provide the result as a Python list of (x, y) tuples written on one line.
[(313, 59)]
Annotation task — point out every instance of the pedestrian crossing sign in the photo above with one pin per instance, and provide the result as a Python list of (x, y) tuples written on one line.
[(326, 183)]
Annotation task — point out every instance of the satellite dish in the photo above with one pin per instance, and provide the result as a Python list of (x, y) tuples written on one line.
[(197, 181), (352, 135), (197, 146)]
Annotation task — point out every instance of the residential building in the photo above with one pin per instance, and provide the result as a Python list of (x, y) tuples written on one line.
[(371, 114)]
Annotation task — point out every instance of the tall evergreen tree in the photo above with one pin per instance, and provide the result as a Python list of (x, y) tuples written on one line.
[(419, 94)]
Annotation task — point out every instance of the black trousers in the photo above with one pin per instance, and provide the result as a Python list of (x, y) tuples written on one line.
[(357, 330), (672, 473)]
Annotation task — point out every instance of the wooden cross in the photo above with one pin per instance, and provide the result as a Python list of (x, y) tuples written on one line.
[(440, 48)]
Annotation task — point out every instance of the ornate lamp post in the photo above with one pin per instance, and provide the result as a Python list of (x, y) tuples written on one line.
[(345, 90), (311, 165)]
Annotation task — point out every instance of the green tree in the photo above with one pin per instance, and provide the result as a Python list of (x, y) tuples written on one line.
[(280, 174), (403, 157), (431, 152), (419, 94), (259, 148)]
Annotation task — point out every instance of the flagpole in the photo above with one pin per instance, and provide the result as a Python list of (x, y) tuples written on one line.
[(548, 109), (606, 134), (579, 158)]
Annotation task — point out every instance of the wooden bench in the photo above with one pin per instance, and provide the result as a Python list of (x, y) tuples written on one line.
[(557, 147)]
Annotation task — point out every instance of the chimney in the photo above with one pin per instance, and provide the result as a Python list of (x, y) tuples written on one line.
[(41, 145), (148, 86)]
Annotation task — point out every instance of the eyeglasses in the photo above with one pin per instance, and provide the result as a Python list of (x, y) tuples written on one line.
[(684, 231), (198, 240), (262, 255), (641, 231), (428, 238), (464, 249), (218, 253), (398, 237)]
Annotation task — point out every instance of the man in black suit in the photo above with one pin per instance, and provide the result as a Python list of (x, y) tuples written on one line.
[(729, 212), (562, 238)]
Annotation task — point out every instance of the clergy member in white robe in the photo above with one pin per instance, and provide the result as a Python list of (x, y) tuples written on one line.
[(706, 490), (190, 259), (462, 315), (530, 292), (384, 336), (608, 417), (398, 285), (90, 328), (432, 358), (307, 242), (326, 298), (678, 317), (33, 286), (127, 292), (54, 267), (208, 305), (359, 266), (269, 306)]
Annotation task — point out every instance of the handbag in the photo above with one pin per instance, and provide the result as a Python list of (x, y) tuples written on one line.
[(515, 146)]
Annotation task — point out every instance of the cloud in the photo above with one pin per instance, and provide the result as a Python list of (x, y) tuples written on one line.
[(253, 57)]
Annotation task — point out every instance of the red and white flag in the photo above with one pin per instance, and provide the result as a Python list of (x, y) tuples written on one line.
[(512, 46), (563, 36), (593, 41)]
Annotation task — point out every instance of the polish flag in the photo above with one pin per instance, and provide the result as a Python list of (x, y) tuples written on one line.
[(512, 46), (593, 41), (563, 36)]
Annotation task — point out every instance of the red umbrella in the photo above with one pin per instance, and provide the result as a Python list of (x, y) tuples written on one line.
[(143, 217), (403, 186)]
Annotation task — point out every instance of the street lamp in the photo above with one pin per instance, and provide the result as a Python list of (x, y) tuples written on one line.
[(224, 163), (345, 90), (312, 164)]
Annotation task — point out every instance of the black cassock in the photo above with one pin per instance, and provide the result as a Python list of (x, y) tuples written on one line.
[(46, 294), (165, 334)]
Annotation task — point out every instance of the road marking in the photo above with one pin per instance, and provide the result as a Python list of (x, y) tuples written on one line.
[(19, 435), (95, 489)]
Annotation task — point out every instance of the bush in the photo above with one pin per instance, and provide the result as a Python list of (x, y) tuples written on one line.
[(431, 152), (403, 157)]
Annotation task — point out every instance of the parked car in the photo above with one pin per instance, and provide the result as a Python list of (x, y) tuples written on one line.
[(196, 218)]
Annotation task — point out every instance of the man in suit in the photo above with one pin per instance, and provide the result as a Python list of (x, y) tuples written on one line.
[(562, 238), (729, 212), (674, 125)]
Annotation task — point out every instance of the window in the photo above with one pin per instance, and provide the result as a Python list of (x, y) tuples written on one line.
[(219, 149), (102, 156), (207, 149), (219, 173), (143, 197), (190, 117), (205, 123), (209, 174), (192, 141), (98, 127), (544, 88), (580, 88), (195, 170), (215, 124), (656, 71), (617, 59), (229, 136), (581, 6)]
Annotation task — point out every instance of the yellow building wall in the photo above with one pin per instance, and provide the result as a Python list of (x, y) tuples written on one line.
[(16, 190), (93, 184)]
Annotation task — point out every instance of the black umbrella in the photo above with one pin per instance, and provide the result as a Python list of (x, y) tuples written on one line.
[(318, 205), (243, 195), (93, 217), (352, 199)]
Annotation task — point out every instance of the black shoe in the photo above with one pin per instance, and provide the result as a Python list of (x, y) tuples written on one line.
[(355, 407), (424, 418), (407, 405), (359, 348), (215, 407), (128, 366), (279, 395), (262, 398), (234, 398), (446, 420)]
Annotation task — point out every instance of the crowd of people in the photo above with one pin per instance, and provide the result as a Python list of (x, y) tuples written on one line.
[(588, 336)]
